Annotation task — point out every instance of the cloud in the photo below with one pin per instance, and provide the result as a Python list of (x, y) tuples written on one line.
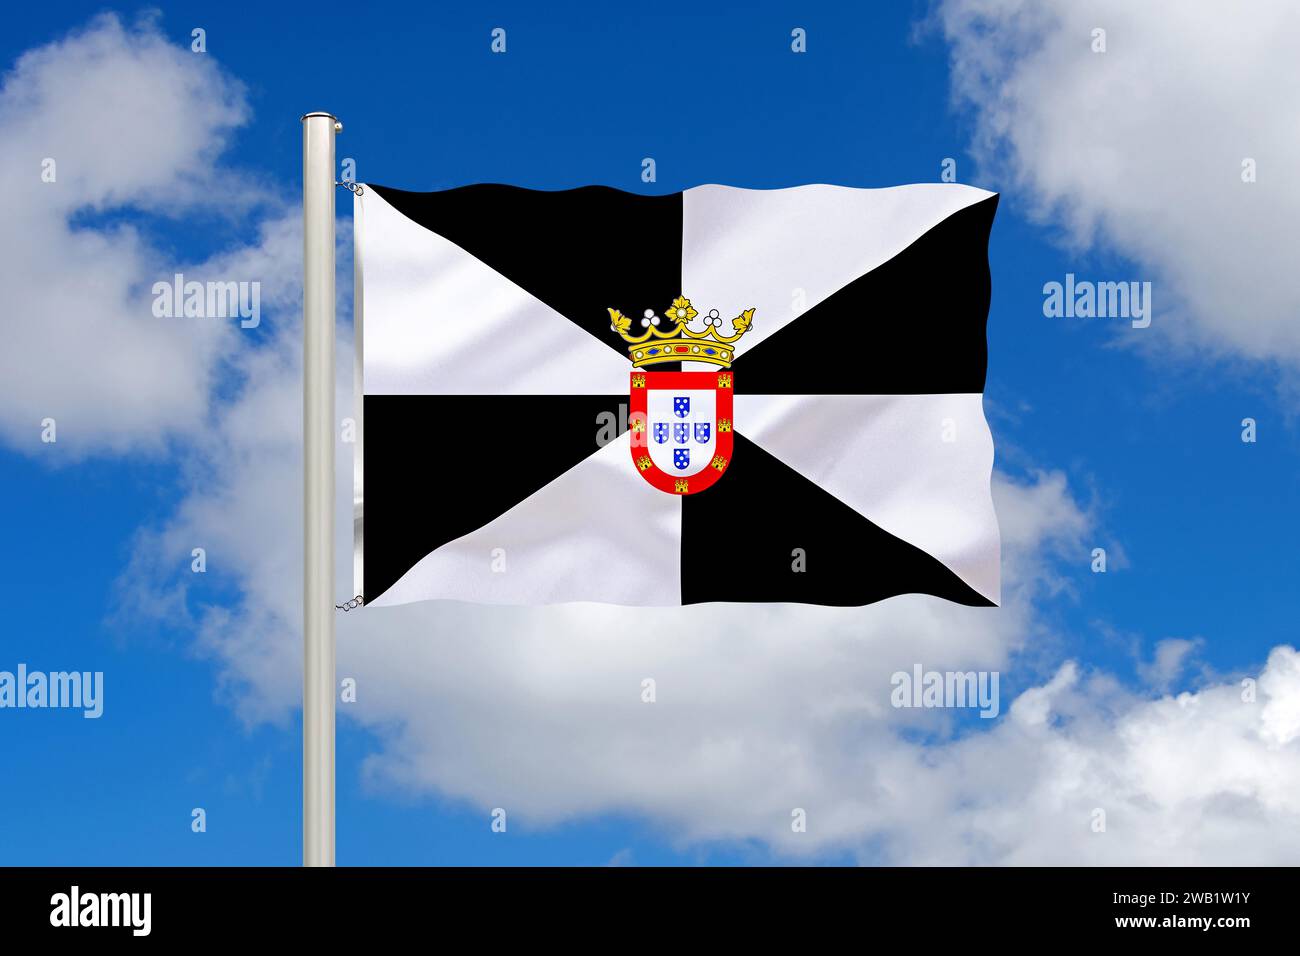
[(1200, 777), (134, 125), (1171, 657), (1139, 150), (758, 711)]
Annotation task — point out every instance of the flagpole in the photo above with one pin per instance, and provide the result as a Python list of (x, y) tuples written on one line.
[(318, 132)]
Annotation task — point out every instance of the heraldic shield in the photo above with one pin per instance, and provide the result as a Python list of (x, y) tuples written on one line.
[(681, 428), (681, 421)]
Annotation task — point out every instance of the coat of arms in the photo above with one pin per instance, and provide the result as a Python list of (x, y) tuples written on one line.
[(681, 421)]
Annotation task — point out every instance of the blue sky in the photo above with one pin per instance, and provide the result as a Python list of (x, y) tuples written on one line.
[(1201, 528)]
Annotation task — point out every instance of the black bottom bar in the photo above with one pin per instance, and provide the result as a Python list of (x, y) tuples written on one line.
[(862, 907)]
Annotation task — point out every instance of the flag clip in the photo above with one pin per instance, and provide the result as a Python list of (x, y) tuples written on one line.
[(350, 605), (352, 187)]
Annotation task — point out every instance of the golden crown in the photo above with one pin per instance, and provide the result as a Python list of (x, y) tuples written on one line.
[(681, 343)]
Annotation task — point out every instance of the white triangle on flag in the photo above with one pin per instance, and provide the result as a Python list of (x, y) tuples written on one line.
[(782, 251), (439, 321), (917, 466), (598, 532)]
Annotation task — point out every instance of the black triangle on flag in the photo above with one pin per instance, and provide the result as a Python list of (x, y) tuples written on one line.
[(767, 533), (581, 251)]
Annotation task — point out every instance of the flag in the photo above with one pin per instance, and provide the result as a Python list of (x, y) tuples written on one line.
[(721, 394)]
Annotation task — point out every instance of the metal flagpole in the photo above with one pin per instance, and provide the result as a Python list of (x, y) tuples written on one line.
[(318, 132)]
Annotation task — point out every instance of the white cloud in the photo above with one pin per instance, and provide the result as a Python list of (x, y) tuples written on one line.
[(1196, 778), (1171, 657), (1139, 149), (134, 125), (759, 710)]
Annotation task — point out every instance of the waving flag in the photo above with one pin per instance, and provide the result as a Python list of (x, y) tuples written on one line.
[(716, 395)]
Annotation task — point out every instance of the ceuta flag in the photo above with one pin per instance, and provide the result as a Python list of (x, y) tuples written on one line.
[(716, 395)]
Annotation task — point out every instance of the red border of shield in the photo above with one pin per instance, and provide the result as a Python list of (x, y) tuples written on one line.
[(721, 381)]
